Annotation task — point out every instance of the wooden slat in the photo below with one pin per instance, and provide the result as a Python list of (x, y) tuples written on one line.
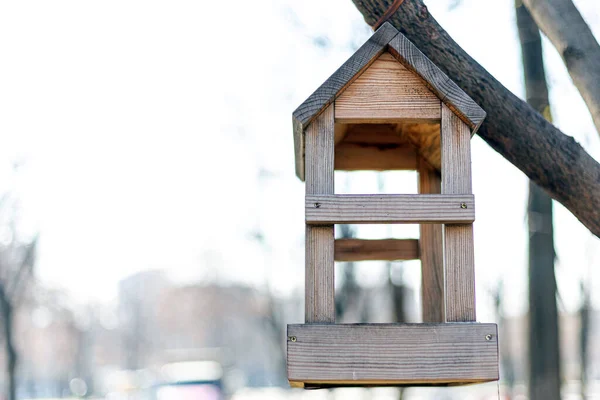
[(389, 209), (452, 95), (319, 284), (325, 94), (458, 239), (376, 250), (431, 249), (374, 134), (387, 92), (392, 354), (356, 157)]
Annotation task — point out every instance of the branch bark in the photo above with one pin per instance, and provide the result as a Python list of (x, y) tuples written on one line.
[(553, 160), (562, 23), (544, 356)]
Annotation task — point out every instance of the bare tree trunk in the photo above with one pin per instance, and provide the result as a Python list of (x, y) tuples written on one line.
[(544, 359), (553, 160), (571, 36), (584, 334), (6, 311)]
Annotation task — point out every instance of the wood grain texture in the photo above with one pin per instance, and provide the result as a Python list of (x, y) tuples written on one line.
[(392, 354), (319, 280), (340, 79), (376, 250), (389, 209), (387, 92), (439, 83), (456, 154), (357, 157), (374, 134), (459, 253), (432, 252)]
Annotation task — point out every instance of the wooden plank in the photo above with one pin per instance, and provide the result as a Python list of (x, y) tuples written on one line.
[(389, 209), (459, 254), (439, 83), (431, 249), (325, 94), (392, 354), (319, 283), (387, 92), (357, 157), (376, 250), (374, 134)]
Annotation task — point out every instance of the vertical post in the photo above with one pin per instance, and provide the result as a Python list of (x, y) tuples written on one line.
[(431, 252), (319, 166), (459, 257)]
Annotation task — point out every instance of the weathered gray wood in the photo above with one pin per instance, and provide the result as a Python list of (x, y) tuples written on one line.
[(431, 250), (453, 96), (392, 354), (340, 79), (389, 209), (459, 254), (562, 23), (356, 157), (350, 250), (319, 284)]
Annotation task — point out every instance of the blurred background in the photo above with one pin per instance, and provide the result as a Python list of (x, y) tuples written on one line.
[(152, 226)]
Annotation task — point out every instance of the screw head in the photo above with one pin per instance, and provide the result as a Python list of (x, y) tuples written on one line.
[(293, 338), (317, 205), (463, 205), (488, 337)]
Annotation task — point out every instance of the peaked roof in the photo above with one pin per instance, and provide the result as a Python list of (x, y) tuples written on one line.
[(386, 38)]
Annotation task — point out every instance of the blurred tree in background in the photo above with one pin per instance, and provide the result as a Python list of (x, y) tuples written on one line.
[(544, 354), (17, 258)]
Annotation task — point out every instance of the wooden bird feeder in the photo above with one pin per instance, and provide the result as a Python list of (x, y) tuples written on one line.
[(390, 108)]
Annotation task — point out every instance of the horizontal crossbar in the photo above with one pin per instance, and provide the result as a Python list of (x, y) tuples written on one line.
[(392, 354), (390, 209), (361, 157), (376, 250)]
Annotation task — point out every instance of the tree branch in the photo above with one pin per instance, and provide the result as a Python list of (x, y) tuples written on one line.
[(553, 160), (571, 36)]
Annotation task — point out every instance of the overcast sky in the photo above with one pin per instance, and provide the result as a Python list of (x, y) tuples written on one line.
[(157, 135)]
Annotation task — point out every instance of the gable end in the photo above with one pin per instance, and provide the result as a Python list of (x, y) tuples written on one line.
[(386, 38)]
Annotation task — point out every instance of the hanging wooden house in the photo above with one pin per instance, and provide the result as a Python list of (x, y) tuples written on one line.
[(390, 108)]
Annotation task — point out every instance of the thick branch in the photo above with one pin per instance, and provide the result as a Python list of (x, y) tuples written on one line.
[(562, 23), (553, 160)]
